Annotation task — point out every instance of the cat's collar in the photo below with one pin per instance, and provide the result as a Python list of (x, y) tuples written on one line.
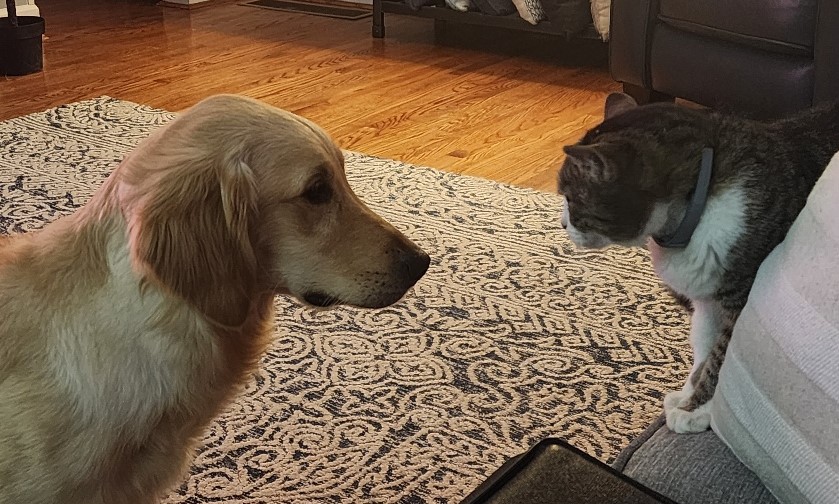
[(681, 236)]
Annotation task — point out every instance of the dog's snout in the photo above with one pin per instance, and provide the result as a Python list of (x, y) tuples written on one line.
[(413, 263)]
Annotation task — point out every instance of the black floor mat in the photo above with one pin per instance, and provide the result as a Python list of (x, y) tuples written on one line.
[(317, 9)]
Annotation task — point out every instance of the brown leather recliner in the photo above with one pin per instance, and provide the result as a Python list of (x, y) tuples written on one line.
[(762, 58)]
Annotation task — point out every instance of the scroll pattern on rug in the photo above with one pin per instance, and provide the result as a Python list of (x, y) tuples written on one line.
[(511, 337)]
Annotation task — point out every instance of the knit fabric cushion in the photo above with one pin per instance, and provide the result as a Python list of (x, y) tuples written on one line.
[(777, 401)]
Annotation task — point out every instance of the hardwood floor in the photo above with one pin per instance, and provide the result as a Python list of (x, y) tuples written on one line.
[(486, 104)]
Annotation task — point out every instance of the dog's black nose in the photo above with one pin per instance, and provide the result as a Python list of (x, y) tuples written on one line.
[(414, 264)]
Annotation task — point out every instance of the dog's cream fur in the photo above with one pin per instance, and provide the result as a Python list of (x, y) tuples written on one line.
[(126, 327)]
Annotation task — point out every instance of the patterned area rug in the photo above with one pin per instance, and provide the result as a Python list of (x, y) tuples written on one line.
[(511, 337)]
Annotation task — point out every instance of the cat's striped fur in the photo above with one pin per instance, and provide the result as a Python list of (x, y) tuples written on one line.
[(630, 178)]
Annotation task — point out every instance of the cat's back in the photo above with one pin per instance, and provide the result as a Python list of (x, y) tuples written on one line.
[(782, 156), (810, 138), (771, 167), (813, 122)]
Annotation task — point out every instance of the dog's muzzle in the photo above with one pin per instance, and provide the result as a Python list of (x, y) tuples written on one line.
[(413, 265)]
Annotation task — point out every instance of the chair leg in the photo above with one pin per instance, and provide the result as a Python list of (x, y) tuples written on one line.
[(644, 95), (441, 29), (378, 19)]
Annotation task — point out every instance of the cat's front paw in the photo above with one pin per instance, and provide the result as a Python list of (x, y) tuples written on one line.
[(682, 421), (674, 399)]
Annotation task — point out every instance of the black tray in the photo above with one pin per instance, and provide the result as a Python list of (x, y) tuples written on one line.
[(554, 472)]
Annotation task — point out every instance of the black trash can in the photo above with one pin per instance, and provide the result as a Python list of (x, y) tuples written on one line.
[(21, 46)]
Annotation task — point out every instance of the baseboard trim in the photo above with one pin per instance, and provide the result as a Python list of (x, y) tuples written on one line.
[(185, 4)]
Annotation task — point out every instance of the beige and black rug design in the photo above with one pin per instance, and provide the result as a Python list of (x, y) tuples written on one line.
[(511, 337)]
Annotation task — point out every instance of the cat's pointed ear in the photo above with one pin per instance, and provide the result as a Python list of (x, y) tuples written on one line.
[(593, 161), (617, 103)]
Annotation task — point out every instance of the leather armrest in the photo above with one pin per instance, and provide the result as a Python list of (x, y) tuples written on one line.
[(631, 27), (827, 52)]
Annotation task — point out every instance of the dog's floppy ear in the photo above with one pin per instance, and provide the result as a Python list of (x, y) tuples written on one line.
[(194, 230), (238, 198)]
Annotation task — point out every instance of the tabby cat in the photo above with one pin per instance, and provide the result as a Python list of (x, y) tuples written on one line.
[(710, 195)]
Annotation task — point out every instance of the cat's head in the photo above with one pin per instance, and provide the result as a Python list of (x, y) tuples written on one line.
[(612, 179)]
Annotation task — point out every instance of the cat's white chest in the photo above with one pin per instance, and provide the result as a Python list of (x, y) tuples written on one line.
[(696, 270)]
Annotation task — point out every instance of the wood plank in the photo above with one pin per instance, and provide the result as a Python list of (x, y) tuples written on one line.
[(494, 104)]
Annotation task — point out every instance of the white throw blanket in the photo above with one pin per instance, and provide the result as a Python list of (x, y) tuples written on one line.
[(777, 402)]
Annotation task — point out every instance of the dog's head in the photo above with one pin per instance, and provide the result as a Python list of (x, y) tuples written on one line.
[(235, 195)]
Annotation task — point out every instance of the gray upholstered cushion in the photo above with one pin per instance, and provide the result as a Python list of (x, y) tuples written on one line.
[(690, 468)]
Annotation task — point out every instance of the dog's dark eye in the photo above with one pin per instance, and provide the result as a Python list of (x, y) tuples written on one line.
[(318, 193)]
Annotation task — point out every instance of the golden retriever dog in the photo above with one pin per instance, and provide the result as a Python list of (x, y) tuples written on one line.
[(127, 326)]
